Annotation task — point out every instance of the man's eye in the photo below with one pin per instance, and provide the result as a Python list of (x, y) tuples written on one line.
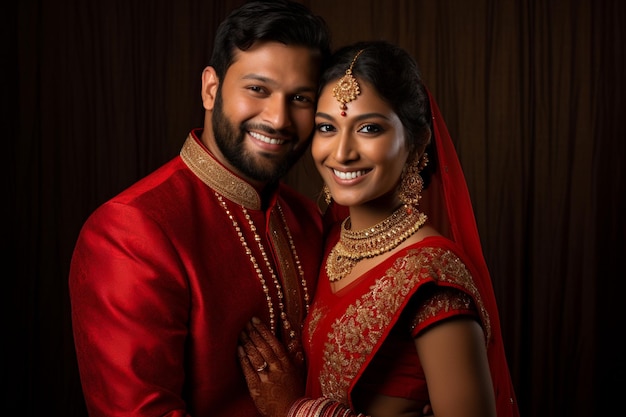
[(303, 99)]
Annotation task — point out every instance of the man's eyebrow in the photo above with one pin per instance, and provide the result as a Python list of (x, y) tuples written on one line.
[(257, 77), (273, 83)]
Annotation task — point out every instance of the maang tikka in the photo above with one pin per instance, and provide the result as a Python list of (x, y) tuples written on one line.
[(347, 87)]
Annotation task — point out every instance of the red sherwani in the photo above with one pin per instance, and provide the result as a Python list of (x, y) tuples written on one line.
[(161, 285)]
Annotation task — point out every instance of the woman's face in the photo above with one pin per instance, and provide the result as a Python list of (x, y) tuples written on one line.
[(360, 156)]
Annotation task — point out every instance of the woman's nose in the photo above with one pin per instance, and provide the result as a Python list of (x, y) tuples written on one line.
[(345, 149)]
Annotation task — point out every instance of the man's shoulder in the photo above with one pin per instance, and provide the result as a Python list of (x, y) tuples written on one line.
[(161, 187)]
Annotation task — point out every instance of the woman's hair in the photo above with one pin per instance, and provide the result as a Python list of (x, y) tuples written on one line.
[(397, 79), (281, 21)]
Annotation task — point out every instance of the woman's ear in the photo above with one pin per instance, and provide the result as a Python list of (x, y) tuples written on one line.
[(423, 143), (210, 83)]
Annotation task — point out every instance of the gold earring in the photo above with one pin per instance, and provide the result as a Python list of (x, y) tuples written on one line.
[(412, 184), (327, 196)]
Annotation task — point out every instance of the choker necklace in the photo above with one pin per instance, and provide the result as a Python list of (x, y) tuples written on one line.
[(354, 246)]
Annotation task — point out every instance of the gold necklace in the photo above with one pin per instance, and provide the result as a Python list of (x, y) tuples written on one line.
[(354, 246), (292, 246), (279, 293)]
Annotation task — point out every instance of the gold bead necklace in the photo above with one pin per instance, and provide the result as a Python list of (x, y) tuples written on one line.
[(292, 246), (354, 246), (279, 292)]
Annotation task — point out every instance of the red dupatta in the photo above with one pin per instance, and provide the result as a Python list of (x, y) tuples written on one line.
[(448, 205)]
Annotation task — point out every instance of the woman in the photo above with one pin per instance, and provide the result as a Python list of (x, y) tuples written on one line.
[(404, 313)]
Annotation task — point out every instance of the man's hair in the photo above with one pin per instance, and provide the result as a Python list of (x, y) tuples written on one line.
[(281, 21)]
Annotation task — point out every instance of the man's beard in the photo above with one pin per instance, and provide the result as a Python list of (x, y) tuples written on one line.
[(230, 140)]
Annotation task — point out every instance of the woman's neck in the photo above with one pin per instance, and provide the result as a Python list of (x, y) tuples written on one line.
[(367, 215)]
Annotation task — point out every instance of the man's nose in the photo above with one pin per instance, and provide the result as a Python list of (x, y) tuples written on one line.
[(277, 112)]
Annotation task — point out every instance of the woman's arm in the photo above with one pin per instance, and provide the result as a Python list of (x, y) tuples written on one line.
[(454, 358)]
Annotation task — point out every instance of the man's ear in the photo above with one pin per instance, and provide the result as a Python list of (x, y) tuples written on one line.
[(210, 83)]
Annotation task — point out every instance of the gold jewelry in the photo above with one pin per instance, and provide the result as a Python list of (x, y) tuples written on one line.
[(347, 87), (412, 184), (262, 367), (327, 196), (354, 246), (279, 293), (292, 246)]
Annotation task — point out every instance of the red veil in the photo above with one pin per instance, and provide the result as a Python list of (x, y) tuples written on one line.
[(448, 205)]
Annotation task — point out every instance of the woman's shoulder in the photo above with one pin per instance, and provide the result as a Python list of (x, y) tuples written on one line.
[(437, 256)]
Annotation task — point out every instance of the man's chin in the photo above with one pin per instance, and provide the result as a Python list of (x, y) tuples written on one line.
[(264, 173), (267, 166)]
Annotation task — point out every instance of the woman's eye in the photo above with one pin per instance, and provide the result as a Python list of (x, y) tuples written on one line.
[(324, 128), (370, 129)]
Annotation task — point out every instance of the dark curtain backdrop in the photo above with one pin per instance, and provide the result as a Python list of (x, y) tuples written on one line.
[(100, 93)]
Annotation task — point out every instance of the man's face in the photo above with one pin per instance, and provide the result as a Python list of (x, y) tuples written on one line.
[(263, 110)]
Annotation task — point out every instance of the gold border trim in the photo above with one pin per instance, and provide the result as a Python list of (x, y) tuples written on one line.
[(216, 176)]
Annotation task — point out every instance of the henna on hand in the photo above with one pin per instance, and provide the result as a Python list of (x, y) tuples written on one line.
[(275, 387)]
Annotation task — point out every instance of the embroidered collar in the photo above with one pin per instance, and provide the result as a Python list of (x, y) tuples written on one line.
[(217, 176)]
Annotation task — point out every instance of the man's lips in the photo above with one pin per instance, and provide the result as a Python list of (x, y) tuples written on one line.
[(266, 139)]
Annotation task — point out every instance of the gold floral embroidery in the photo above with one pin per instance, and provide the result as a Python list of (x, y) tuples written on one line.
[(314, 317), (445, 299), (354, 335), (217, 177)]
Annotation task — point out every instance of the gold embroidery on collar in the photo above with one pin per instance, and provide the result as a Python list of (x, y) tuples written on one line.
[(201, 163)]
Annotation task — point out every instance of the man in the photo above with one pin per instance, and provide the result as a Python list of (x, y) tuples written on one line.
[(165, 275)]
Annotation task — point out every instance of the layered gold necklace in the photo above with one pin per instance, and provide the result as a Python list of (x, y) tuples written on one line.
[(356, 245), (286, 324)]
